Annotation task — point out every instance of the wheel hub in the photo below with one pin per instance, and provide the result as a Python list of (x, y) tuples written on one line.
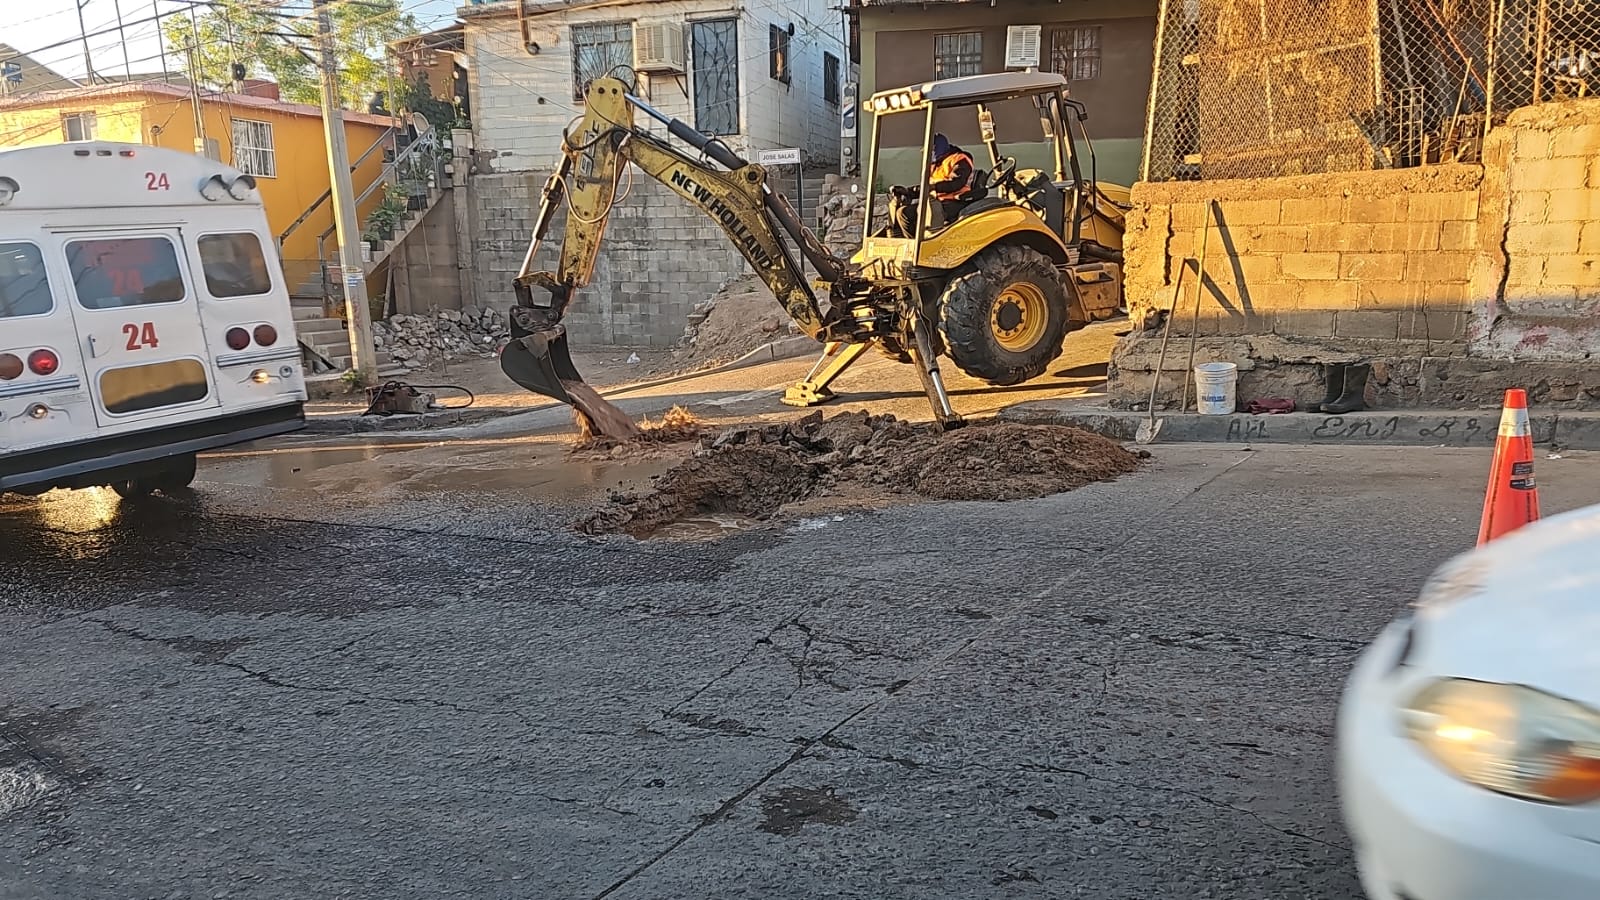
[(1019, 317)]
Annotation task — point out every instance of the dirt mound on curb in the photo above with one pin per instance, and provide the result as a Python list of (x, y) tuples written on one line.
[(755, 471)]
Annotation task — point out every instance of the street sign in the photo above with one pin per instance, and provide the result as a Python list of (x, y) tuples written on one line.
[(786, 157)]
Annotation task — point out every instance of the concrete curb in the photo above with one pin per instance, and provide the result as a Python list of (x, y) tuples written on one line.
[(772, 351), (1398, 428)]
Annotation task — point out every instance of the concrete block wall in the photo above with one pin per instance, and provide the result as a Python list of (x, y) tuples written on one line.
[(1545, 184), (660, 257), (1455, 281), (1386, 255)]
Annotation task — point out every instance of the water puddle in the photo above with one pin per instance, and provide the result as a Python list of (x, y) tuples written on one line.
[(699, 528)]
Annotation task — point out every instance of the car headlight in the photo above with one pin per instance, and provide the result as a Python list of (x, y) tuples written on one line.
[(1509, 739)]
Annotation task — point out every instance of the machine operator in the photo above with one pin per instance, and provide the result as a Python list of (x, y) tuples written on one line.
[(953, 180)]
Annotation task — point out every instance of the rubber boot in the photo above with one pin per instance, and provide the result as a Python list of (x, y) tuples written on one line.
[(1354, 397), (1333, 373)]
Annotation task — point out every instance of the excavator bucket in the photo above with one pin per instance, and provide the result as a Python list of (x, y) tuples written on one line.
[(540, 362)]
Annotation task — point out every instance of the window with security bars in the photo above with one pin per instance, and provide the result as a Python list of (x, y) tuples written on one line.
[(1075, 52), (778, 53), (253, 152), (715, 48), (596, 50), (830, 79), (957, 55)]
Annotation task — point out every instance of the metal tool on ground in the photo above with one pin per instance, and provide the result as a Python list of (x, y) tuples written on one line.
[(1151, 426), (394, 397), (1512, 500), (1194, 324), (992, 276)]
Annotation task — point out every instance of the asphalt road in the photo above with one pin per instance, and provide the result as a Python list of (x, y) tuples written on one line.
[(390, 671)]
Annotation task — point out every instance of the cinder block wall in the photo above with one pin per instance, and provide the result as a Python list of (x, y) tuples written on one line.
[(1382, 255), (1456, 281), (660, 257), (1543, 178)]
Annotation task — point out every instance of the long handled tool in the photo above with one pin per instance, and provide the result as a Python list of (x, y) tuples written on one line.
[(1151, 426), (1194, 325)]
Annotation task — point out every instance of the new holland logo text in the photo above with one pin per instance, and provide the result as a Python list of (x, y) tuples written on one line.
[(728, 218)]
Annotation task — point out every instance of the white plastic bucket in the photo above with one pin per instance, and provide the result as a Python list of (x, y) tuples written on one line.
[(1216, 388)]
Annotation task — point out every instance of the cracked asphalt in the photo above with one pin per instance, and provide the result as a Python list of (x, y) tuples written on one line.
[(283, 687)]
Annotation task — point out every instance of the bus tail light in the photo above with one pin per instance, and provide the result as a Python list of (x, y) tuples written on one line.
[(237, 338), (44, 362), (10, 366), (266, 335)]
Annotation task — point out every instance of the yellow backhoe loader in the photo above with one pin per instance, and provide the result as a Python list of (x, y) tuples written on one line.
[(996, 287)]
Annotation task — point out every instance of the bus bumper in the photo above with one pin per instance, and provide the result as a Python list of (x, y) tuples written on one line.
[(95, 462)]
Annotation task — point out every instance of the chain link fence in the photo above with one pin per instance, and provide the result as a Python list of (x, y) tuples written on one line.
[(1265, 88)]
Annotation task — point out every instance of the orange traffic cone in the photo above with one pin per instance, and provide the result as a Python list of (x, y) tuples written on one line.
[(1513, 498)]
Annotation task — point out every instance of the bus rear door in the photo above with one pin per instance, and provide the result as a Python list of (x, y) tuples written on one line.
[(138, 322)]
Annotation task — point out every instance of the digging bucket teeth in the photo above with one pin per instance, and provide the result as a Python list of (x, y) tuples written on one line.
[(540, 362)]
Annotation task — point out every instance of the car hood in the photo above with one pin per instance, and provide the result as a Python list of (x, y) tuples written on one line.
[(1523, 609)]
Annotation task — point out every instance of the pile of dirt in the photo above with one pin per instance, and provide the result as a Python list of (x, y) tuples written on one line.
[(649, 439), (754, 471)]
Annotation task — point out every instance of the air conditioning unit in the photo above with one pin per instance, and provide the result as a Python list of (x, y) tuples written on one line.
[(1022, 46), (658, 47)]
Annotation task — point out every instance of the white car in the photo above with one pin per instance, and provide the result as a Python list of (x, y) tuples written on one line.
[(1469, 733)]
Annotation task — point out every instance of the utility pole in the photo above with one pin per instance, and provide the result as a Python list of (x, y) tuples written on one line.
[(194, 84), (88, 61), (358, 315)]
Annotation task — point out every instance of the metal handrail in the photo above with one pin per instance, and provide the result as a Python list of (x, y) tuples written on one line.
[(328, 194), (391, 170)]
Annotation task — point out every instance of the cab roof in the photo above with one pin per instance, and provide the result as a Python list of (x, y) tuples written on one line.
[(983, 88)]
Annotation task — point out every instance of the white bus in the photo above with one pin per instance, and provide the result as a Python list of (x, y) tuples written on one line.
[(143, 318)]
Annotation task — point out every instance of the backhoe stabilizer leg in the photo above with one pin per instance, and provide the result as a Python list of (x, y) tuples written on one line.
[(932, 382), (814, 389)]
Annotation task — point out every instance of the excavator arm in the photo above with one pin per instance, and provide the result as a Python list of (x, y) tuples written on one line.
[(733, 193)]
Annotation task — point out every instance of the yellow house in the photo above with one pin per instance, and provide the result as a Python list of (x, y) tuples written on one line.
[(282, 144)]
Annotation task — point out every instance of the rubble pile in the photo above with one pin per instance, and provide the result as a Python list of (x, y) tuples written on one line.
[(754, 471), (418, 340), (839, 214)]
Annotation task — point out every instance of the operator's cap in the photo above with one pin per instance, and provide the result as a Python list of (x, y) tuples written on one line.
[(941, 145)]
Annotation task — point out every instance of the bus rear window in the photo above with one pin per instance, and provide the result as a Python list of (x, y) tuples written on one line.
[(24, 290), (119, 272), (234, 265), (138, 388)]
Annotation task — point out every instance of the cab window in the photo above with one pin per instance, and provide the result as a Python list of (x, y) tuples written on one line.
[(120, 272), (234, 265), (24, 290)]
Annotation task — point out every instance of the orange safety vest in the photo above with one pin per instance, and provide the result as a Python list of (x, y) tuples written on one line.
[(945, 169)]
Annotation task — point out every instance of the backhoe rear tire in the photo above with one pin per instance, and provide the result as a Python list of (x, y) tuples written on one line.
[(1004, 320)]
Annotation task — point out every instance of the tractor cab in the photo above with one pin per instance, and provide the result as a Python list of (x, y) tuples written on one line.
[(1050, 204)]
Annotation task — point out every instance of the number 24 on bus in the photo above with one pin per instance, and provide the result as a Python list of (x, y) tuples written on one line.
[(141, 336)]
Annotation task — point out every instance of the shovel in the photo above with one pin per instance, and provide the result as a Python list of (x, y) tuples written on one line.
[(1151, 426)]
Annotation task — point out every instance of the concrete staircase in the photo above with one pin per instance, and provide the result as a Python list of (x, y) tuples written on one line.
[(329, 337)]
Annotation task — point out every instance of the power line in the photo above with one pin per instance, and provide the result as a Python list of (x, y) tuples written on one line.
[(83, 38)]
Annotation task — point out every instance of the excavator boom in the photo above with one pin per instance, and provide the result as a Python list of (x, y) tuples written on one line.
[(734, 193)]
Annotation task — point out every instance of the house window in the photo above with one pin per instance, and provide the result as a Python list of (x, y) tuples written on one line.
[(716, 75), (252, 148), (778, 53), (1075, 52), (78, 126), (598, 49), (957, 55), (830, 79)]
